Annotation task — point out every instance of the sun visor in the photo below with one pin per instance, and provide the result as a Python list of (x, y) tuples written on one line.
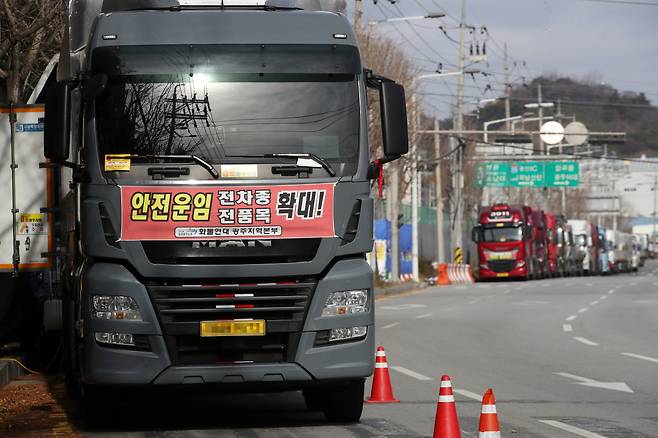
[(213, 60)]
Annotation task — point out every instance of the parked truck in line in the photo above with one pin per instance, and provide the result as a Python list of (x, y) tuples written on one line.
[(619, 250), (505, 243), (212, 204), (584, 244)]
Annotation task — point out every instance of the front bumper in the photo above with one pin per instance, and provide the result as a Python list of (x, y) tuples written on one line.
[(311, 364), (487, 274)]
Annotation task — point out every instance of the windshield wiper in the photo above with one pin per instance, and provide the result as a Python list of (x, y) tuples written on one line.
[(200, 161), (326, 166)]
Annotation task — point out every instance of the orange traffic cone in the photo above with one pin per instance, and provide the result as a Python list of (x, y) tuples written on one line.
[(489, 427), (446, 423), (381, 383)]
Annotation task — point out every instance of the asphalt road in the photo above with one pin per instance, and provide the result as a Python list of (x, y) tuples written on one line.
[(566, 358)]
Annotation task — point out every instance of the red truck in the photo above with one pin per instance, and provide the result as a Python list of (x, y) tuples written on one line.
[(505, 241)]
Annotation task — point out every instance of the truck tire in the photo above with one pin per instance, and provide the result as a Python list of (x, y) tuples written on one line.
[(340, 404)]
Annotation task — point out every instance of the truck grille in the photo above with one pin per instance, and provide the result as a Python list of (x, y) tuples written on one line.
[(502, 265), (181, 308)]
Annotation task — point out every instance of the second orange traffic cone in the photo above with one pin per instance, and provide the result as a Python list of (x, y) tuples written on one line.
[(446, 423), (489, 427), (381, 392)]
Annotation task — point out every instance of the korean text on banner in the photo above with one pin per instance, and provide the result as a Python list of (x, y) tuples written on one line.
[(216, 213)]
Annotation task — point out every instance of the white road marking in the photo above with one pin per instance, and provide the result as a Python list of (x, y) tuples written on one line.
[(590, 284), (568, 428), (424, 315), (613, 386), (468, 394), (571, 318), (391, 325), (545, 285), (645, 301), (403, 307), (583, 310), (633, 284), (594, 303), (567, 328), (610, 292), (507, 291), (639, 356), (530, 303), (585, 341), (473, 301), (410, 373), (618, 286), (604, 297)]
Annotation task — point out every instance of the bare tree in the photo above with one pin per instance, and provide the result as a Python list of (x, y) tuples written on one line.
[(384, 57), (30, 34)]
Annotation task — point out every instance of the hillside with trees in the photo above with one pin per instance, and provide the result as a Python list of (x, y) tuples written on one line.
[(599, 106)]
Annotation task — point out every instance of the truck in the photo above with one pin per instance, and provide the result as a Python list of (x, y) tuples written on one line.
[(505, 244), (215, 202), (555, 260), (540, 240), (584, 243), (619, 250)]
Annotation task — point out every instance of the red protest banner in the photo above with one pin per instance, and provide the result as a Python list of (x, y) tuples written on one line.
[(215, 213)]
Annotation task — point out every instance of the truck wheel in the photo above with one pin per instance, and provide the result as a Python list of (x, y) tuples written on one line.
[(344, 404)]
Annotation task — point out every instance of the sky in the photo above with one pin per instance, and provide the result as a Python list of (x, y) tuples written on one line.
[(613, 43)]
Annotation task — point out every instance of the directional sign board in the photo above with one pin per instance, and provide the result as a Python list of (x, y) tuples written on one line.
[(529, 174), (492, 174), (562, 174), (526, 174)]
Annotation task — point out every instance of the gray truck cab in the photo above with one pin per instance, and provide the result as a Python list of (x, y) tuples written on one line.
[(216, 201)]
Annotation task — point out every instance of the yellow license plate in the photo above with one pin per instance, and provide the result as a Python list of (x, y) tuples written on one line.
[(211, 329), (504, 274)]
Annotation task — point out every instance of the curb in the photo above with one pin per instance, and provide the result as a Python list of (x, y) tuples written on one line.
[(399, 289), (8, 372)]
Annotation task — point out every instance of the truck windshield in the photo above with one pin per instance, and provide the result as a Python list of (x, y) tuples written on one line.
[(181, 103), (581, 240), (502, 234)]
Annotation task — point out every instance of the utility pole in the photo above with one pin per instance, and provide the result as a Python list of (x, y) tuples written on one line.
[(508, 89), (441, 257), (357, 14), (414, 188), (541, 118), (458, 175), (655, 189), (394, 212)]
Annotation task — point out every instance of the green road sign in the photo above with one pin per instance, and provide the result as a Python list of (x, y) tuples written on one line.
[(562, 174), (492, 174), (526, 174)]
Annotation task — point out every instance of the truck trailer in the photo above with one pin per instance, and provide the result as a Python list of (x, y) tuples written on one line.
[(215, 201)]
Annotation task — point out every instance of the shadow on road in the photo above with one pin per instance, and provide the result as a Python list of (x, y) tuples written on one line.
[(185, 410)]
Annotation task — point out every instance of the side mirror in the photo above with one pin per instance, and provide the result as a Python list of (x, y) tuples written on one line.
[(394, 119), (475, 234), (56, 141)]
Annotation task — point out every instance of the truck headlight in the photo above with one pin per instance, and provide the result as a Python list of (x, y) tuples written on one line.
[(116, 307), (123, 339), (346, 302), (338, 335)]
